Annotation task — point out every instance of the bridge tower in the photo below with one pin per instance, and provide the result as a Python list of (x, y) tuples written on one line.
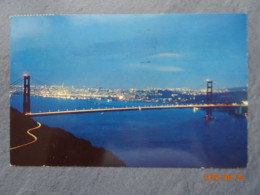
[(209, 99), (209, 92), (26, 94)]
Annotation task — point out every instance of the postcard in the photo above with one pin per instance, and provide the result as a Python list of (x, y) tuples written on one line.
[(124, 90)]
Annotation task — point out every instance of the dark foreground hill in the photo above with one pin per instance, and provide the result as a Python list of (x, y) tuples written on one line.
[(54, 147)]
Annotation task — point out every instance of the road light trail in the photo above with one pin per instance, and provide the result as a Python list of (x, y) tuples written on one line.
[(28, 132)]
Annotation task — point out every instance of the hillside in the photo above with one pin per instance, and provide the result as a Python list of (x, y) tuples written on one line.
[(54, 146)]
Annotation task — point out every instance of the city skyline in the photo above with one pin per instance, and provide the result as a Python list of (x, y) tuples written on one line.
[(131, 51)]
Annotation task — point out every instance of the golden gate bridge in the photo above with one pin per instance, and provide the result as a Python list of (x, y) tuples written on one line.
[(208, 106)]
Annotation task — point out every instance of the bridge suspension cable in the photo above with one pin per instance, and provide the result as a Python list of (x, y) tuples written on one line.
[(18, 81)]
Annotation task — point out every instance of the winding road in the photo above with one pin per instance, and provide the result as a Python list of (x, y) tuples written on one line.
[(28, 132)]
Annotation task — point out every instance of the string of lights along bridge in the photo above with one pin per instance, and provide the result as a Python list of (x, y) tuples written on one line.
[(208, 105)]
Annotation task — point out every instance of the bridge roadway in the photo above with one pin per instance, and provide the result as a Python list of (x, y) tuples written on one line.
[(137, 108)]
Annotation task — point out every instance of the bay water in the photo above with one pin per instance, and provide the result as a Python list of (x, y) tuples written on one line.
[(151, 138)]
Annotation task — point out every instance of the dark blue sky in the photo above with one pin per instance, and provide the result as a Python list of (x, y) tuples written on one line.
[(131, 51)]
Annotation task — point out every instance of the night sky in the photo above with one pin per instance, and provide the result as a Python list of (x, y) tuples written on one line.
[(131, 51)]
